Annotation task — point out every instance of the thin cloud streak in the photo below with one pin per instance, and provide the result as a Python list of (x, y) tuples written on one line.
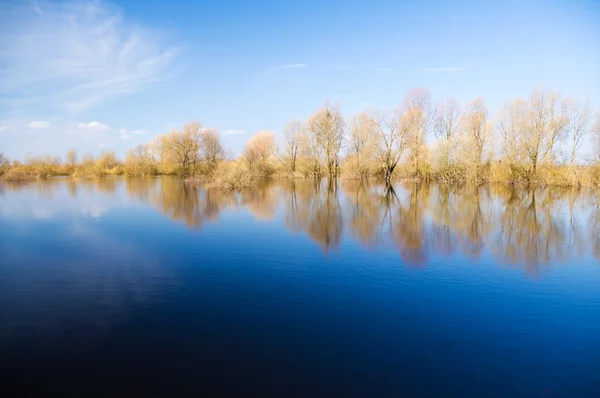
[(384, 69), (75, 56)]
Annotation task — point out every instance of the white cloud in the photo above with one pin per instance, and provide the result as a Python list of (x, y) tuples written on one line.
[(234, 132), (101, 145), (93, 126), (129, 132), (2, 128), (76, 55), (440, 70), (39, 124), (292, 66), (125, 136)]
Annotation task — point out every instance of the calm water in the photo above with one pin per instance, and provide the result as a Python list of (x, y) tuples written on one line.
[(297, 288)]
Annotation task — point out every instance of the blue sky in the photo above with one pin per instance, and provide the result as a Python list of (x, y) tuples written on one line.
[(95, 75)]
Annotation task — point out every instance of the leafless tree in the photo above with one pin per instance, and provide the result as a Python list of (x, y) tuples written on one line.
[(361, 137), (416, 120), (71, 158), (292, 134), (326, 126), (260, 148), (579, 117), (476, 128), (392, 140), (211, 149), (446, 126)]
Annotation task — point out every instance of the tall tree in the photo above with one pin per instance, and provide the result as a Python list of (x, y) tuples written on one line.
[(292, 134), (476, 128), (71, 158), (392, 140), (361, 137), (416, 119), (446, 127), (579, 117), (260, 148), (326, 126)]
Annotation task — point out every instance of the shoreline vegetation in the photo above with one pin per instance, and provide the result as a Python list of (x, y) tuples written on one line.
[(532, 142)]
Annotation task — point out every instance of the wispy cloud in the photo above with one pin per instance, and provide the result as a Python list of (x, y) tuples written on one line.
[(292, 66), (440, 70), (384, 69), (125, 136), (234, 132), (93, 126), (77, 55), (2, 128), (39, 124)]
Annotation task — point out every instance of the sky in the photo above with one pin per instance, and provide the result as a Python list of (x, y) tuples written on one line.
[(109, 75)]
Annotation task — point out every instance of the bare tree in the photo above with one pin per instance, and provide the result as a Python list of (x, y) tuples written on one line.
[(3, 159), (392, 141), (596, 135), (183, 147), (292, 134), (512, 122), (260, 148), (327, 128), (361, 136), (446, 126), (416, 119), (542, 128), (579, 117), (71, 158), (211, 149), (476, 128)]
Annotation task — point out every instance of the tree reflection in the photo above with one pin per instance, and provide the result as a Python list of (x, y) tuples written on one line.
[(313, 206)]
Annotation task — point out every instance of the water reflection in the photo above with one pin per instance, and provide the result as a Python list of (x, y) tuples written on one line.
[(529, 228)]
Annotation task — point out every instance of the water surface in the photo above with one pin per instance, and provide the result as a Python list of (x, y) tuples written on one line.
[(298, 288)]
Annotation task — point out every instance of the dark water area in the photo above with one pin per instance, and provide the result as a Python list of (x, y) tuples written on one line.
[(150, 287)]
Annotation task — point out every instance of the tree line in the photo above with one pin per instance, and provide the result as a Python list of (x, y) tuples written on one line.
[(533, 140)]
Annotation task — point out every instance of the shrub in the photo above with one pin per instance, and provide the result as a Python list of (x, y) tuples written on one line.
[(231, 176)]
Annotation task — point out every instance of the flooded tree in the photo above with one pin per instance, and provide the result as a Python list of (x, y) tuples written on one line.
[(292, 134), (476, 129), (71, 158), (392, 140), (446, 127), (416, 120), (325, 130), (260, 149), (361, 143), (579, 117)]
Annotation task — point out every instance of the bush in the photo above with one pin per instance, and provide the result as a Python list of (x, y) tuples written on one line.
[(18, 174), (231, 176)]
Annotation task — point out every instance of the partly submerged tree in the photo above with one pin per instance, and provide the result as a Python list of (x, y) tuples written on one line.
[(292, 135), (391, 138), (416, 120), (325, 129)]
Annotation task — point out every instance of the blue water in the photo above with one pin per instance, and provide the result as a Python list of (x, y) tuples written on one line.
[(298, 288)]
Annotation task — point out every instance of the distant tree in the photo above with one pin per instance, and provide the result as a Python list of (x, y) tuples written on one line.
[(325, 129), (71, 158), (416, 121), (183, 147), (446, 126), (596, 136), (107, 160), (3, 159), (211, 149), (260, 148), (361, 136), (579, 117), (392, 140), (476, 128), (292, 135)]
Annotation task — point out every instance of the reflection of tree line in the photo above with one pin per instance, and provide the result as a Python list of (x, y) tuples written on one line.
[(527, 227)]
